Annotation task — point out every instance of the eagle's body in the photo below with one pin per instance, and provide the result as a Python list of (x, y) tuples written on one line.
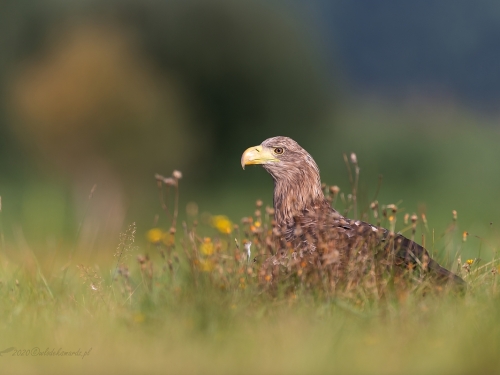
[(306, 220)]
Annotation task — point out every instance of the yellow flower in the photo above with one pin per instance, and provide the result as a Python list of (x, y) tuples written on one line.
[(207, 247), (222, 224), (470, 261), (206, 265), (154, 235)]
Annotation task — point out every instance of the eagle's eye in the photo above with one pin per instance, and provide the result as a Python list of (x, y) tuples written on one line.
[(278, 150)]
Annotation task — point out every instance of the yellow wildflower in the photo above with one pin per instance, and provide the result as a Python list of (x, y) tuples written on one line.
[(222, 224), (470, 261), (154, 235), (207, 247), (206, 265)]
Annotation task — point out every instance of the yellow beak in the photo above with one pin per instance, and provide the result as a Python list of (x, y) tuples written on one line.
[(257, 155)]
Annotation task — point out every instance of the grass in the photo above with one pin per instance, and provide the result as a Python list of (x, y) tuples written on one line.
[(194, 302)]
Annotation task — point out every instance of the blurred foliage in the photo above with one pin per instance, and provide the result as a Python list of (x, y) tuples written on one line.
[(110, 93), (149, 70)]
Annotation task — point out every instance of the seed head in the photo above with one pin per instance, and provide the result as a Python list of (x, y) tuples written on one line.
[(247, 220), (169, 181), (393, 208), (334, 190)]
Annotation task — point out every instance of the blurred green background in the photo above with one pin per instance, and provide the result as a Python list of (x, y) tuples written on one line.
[(108, 93)]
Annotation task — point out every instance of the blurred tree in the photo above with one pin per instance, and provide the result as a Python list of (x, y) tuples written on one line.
[(112, 92), (249, 68)]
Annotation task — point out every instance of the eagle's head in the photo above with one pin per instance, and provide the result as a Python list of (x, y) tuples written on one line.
[(283, 158), (296, 177)]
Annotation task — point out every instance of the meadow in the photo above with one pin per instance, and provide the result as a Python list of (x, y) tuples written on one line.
[(99, 275), (196, 299)]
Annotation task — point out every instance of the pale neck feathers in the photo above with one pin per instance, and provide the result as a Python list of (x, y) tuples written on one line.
[(295, 189)]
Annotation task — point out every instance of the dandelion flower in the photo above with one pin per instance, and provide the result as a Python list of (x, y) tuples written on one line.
[(207, 247), (205, 265), (154, 235), (222, 224)]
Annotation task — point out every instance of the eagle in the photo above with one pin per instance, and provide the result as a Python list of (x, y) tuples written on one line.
[(306, 221)]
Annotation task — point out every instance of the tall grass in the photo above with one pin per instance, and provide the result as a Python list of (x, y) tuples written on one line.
[(204, 298)]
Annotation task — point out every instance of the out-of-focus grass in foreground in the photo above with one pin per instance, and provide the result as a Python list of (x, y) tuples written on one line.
[(193, 301)]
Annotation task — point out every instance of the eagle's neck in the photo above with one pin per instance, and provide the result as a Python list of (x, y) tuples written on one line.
[(296, 192)]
